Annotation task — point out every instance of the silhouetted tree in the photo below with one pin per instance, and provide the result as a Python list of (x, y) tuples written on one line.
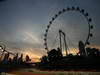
[(93, 51), (20, 60), (10, 60), (44, 59), (27, 58), (15, 59), (54, 55), (6, 57)]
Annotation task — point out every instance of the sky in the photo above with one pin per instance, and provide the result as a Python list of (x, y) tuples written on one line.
[(23, 23)]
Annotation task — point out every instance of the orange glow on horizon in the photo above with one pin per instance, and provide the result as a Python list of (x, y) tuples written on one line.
[(36, 53), (35, 57)]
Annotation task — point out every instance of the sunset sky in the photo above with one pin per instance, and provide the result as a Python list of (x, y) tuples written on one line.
[(23, 23)]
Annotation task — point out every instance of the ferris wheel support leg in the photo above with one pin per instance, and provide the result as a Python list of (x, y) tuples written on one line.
[(60, 40)]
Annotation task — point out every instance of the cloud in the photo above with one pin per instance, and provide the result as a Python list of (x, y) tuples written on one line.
[(2, 0), (23, 22), (29, 37)]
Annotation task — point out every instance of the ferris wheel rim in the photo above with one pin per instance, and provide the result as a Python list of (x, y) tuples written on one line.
[(77, 9)]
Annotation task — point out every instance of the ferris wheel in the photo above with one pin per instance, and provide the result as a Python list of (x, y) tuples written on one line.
[(3, 50), (52, 28)]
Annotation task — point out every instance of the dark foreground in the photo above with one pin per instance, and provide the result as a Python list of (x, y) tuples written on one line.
[(74, 63), (38, 72)]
